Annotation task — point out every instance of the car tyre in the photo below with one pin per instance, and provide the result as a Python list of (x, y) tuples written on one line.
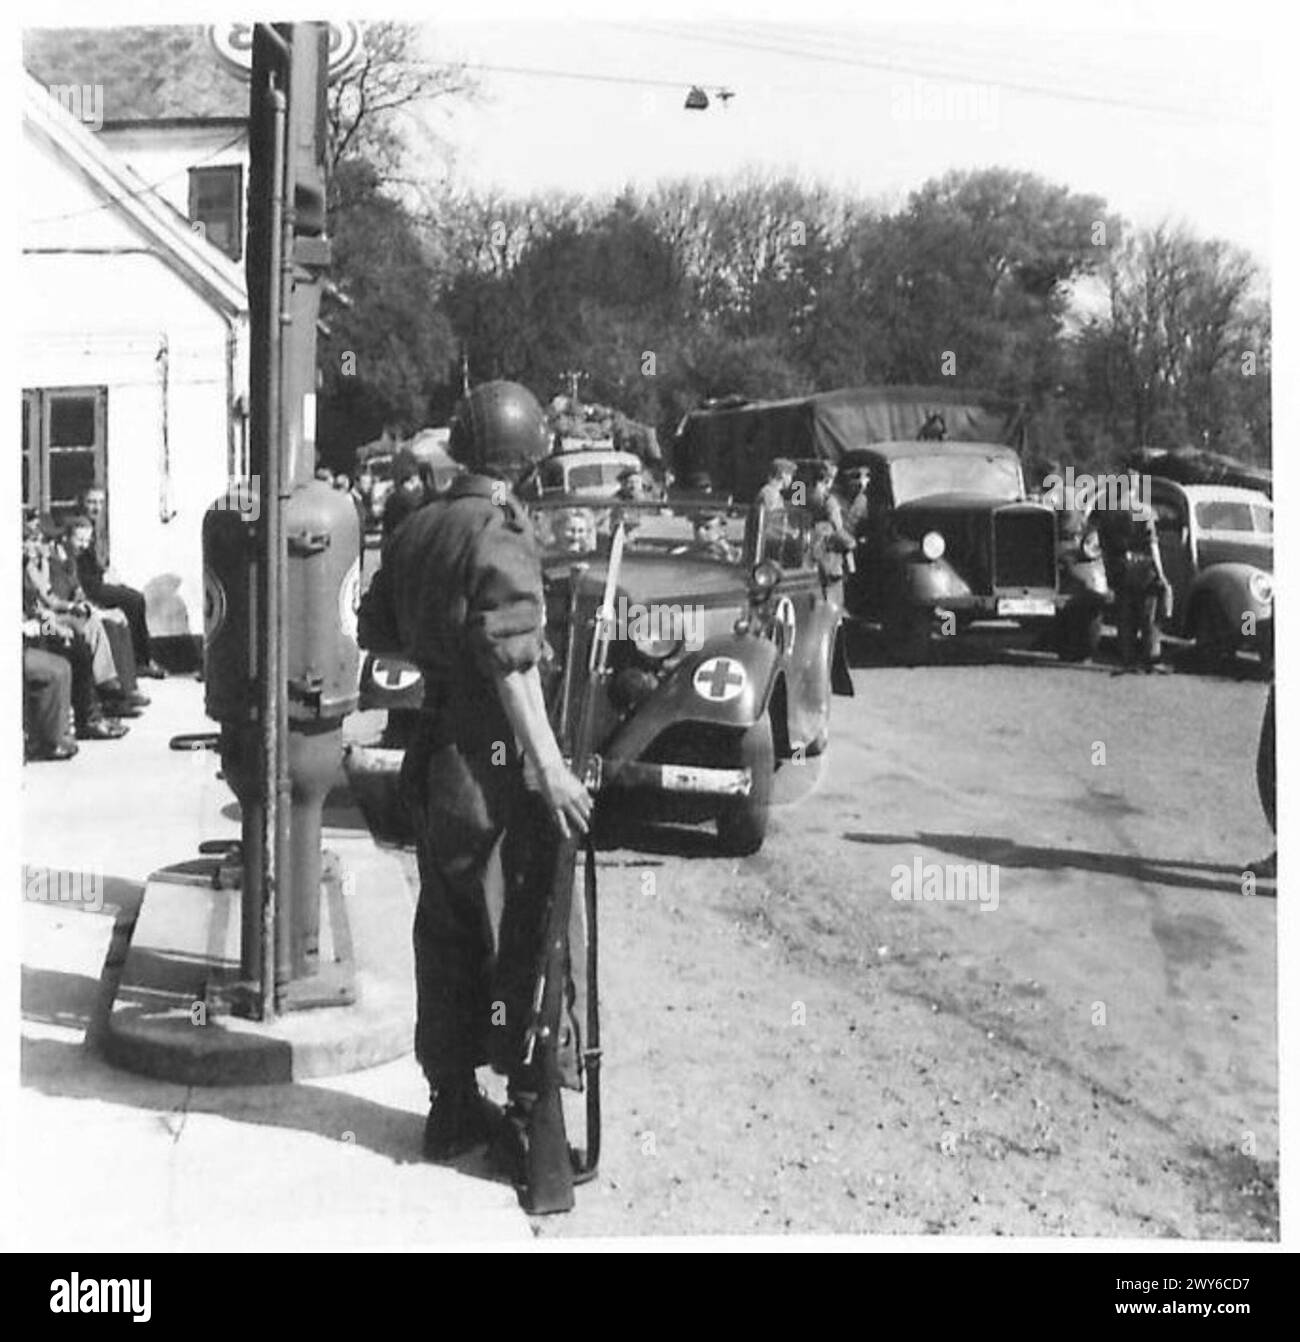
[(1078, 632), (742, 822), (907, 637), (1215, 645)]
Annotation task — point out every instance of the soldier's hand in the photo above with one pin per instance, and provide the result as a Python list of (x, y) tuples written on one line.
[(569, 800)]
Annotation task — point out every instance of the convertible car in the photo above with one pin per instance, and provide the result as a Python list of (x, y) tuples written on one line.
[(726, 650)]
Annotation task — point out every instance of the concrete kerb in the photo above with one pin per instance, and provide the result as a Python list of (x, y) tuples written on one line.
[(187, 935)]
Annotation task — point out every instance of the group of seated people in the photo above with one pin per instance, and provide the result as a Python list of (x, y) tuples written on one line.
[(85, 639)]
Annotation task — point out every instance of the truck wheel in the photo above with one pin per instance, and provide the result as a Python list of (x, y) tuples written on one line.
[(907, 637), (1078, 633), (1215, 645), (742, 822)]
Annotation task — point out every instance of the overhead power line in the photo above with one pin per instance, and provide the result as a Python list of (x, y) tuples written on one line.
[(925, 70)]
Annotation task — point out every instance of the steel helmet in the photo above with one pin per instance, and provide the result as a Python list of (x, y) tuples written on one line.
[(498, 426)]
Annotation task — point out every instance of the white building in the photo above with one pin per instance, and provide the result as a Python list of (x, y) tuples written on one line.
[(133, 308)]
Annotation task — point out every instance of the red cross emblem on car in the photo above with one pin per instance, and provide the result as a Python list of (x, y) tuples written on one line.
[(719, 678), (393, 675)]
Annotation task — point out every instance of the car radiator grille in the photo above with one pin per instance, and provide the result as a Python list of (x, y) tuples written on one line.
[(1024, 549)]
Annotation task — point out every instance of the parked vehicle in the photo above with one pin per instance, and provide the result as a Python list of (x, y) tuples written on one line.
[(1216, 544), (725, 656), (950, 536), (580, 472)]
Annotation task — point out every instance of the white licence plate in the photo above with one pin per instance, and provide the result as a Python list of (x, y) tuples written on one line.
[(1026, 605), (682, 778)]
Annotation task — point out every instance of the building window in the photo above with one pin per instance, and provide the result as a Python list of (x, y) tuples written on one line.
[(217, 202), (64, 446)]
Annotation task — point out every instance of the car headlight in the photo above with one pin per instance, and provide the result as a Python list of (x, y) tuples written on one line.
[(656, 649), (933, 545), (1261, 587), (1091, 545), (763, 579)]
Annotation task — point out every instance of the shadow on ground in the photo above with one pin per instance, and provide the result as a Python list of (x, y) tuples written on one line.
[(1005, 852)]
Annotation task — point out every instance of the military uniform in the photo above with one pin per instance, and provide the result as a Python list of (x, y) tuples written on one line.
[(460, 595), (832, 542), (771, 496), (1131, 549)]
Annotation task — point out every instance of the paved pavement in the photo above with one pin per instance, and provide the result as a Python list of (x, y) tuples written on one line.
[(109, 1160)]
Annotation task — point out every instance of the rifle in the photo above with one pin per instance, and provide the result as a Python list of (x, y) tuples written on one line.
[(550, 1168)]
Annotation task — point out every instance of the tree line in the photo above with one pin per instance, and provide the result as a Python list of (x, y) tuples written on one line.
[(1110, 336)]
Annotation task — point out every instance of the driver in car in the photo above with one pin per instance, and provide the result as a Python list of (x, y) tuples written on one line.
[(711, 537)]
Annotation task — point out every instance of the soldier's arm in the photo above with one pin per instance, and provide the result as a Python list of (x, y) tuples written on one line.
[(520, 693), (504, 625)]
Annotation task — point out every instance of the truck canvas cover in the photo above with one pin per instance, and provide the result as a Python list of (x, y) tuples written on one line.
[(735, 443)]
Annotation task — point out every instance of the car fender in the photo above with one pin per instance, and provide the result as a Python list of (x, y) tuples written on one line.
[(913, 580), (389, 681), (677, 699), (1231, 587)]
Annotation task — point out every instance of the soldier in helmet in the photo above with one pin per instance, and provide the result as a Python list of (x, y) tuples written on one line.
[(459, 594), (1136, 574)]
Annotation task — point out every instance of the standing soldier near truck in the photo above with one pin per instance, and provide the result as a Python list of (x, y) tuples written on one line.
[(1137, 577), (833, 542), (459, 594)]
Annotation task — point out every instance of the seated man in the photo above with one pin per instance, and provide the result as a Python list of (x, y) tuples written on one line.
[(43, 640), (92, 570), (711, 537), (52, 594), (47, 704)]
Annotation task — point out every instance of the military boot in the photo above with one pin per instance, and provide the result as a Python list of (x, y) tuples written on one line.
[(460, 1118)]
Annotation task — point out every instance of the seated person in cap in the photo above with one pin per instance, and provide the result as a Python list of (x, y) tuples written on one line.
[(97, 581), (711, 537)]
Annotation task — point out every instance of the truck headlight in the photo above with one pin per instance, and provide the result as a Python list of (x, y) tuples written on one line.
[(1091, 545), (1261, 587), (933, 545)]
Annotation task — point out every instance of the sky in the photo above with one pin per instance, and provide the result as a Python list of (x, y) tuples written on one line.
[(1163, 124)]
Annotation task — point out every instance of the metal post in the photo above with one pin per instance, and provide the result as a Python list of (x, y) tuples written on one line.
[(270, 622)]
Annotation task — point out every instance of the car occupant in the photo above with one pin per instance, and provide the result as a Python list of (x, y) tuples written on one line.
[(711, 536)]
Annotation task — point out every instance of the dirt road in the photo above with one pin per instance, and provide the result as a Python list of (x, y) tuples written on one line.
[(791, 1049)]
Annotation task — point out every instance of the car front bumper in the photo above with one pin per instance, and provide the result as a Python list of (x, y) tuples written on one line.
[(684, 778)]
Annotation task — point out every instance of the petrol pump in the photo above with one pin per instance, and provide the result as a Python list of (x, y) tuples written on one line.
[(281, 555)]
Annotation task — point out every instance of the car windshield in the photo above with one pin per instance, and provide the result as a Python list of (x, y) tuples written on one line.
[(699, 530), (1234, 515), (991, 476), (594, 475)]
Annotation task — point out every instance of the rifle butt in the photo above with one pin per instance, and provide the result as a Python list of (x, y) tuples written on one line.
[(548, 1167)]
